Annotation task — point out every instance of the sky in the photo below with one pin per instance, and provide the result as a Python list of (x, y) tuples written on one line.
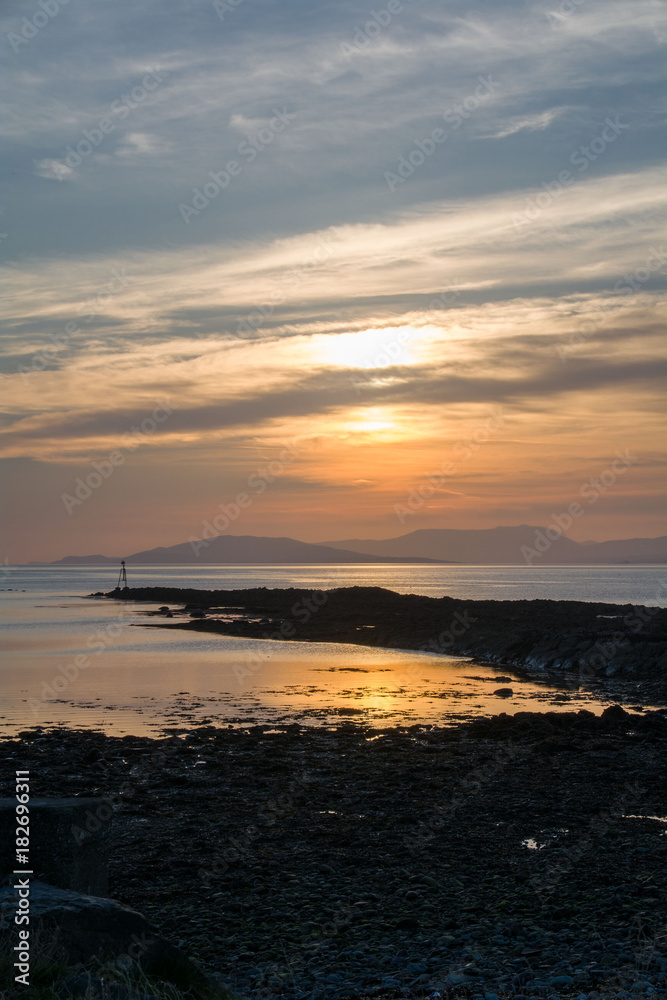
[(329, 270)]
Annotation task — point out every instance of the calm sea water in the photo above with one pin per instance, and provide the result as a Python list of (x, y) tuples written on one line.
[(133, 679), (613, 584)]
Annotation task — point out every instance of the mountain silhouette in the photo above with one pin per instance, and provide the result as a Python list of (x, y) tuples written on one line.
[(508, 546), (243, 550)]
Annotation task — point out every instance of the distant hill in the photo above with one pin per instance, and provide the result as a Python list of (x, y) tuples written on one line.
[(502, 546), (242, 550)]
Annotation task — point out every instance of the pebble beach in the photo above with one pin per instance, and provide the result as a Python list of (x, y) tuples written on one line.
[(511, 857)]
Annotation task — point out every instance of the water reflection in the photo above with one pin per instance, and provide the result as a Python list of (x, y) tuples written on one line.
[(94, 664)]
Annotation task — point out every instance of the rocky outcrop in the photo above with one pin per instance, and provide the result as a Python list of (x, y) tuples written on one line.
[(539, 639), (82, 928)]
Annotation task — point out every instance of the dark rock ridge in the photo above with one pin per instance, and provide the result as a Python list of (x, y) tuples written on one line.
[(572, 640), (86, 927)]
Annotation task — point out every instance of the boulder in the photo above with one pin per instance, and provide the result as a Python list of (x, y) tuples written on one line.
[(504, 692), (83, 928)]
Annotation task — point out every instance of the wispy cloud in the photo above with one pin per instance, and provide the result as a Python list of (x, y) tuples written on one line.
[(529, 123), (524, 228)]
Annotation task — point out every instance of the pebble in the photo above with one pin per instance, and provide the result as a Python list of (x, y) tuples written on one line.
[(458, 914)]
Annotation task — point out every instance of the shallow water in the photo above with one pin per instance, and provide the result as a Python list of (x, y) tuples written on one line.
[(139, 680)]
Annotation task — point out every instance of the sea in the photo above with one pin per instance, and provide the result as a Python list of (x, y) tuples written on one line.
[(70, 659)]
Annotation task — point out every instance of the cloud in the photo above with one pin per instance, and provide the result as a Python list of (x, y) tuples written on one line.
[(142, 144), (586, 235), (257, 318), (529, 383), (54, 170), (327, 169), (530, 123)]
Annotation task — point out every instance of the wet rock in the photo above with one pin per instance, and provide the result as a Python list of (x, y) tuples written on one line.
[(615, 716)]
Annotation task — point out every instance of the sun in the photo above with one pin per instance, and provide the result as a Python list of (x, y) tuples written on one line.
[(376, 348), (377, 421)]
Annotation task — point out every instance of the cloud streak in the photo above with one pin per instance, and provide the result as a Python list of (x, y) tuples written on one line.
[(307, 299)]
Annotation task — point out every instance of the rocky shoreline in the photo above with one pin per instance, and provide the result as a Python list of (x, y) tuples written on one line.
[(556, 642), (513, 856)]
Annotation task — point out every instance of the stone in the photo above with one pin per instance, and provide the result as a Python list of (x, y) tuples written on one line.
[(415, 968), (504, 692), (68, 842), (86, 927), (455, 978), (615, 716)]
